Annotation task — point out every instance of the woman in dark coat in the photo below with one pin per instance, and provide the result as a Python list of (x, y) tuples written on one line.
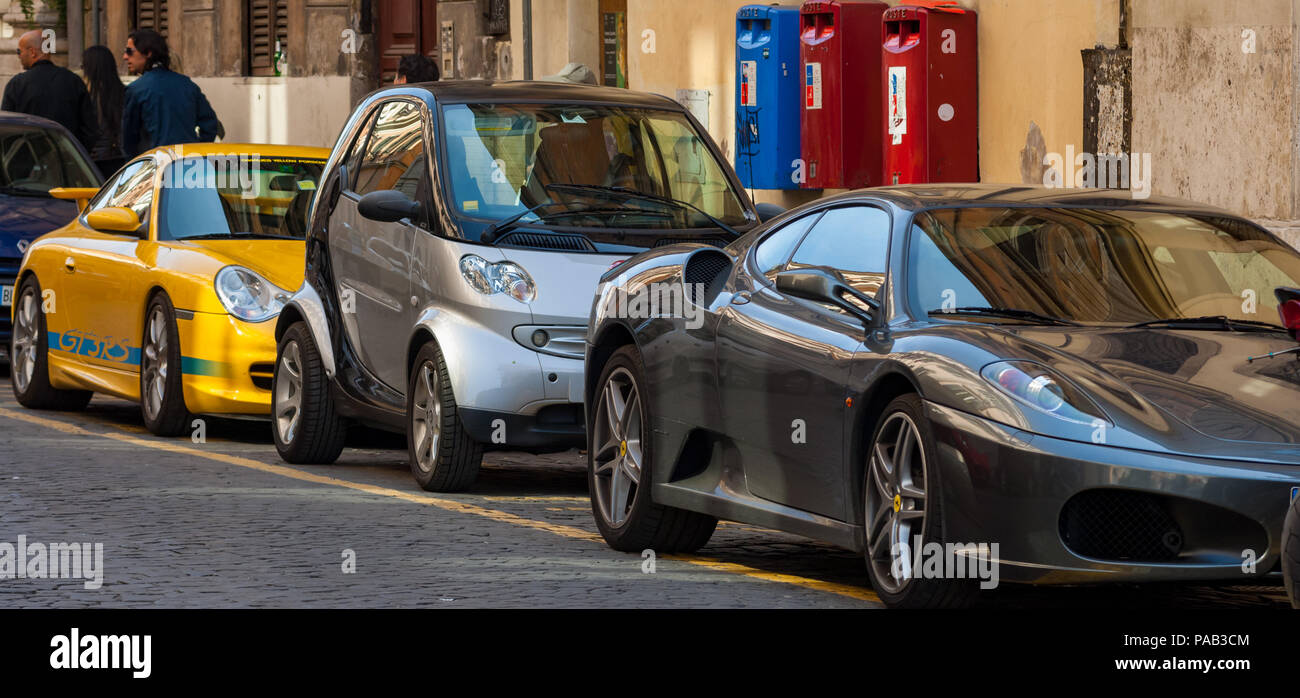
[(107, 94)]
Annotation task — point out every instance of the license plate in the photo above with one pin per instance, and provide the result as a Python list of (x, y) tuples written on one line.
[(6, 296)]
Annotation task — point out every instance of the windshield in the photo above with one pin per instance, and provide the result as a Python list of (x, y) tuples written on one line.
[(37, 160), (1097, 266), (590, 162), (237, 196)]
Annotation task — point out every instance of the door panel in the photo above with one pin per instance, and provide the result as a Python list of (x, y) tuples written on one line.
[(785, 363), (372, 259)]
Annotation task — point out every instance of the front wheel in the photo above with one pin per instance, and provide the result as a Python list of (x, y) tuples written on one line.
[(162, 398), (1291, 553), (904, 502), (443, 456), (303, 420), (619, 448), (29, 357)]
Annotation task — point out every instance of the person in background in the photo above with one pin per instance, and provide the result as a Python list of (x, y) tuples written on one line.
[(416, 67), (50, 91), (106, 94), (162, 107)]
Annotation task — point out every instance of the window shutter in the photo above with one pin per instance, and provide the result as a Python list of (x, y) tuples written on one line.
[(151, 14), (268, 22)]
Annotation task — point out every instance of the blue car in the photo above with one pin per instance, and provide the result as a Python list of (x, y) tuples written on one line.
[(36, 155)]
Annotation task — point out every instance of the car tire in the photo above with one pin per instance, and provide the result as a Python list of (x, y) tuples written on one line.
[(29, 370), (443, 456), (1291, 553), (619, 457), (899, 492), (304, 422), (162, 394)]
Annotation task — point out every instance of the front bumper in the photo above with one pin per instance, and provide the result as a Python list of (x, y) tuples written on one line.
[(226, 363), (1023, 491)]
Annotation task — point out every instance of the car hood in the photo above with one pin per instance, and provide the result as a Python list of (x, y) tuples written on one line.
[(565, 282), (1190, 392), (280, 261), (23, 219)]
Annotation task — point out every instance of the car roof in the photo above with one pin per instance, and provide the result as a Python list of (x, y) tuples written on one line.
[(917, 197), (13, 118), (292, 151), (459, 91)]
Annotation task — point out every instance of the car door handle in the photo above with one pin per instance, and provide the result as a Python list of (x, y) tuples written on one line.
[(70, 264), (740, 298)]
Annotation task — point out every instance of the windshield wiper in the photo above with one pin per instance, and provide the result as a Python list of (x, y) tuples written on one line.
[(1212, 322), (1014, 313), (491, 232), (634, 194)]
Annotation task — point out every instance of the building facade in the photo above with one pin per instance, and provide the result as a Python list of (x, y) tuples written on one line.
[(1208, 89)]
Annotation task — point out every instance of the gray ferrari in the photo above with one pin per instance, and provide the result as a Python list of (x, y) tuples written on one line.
[(965, 383)]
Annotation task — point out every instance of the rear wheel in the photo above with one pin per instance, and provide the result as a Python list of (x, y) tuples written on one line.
[(619, 449), (29, 356), (443, 456), (162, 398), (904, 501), (303, 420)]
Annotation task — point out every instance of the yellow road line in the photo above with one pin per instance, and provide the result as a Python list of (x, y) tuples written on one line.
[(445, 504)]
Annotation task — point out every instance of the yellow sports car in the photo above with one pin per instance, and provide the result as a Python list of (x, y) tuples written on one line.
[(166, 287)]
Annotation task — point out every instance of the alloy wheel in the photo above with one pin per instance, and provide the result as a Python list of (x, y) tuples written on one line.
[(26, 341), (155, 362), (617, 461), (895, 493), (426, 417), (288, 393)]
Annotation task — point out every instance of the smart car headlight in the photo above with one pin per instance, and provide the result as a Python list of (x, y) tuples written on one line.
[(490, 278), (1044, 390), (247, 295)]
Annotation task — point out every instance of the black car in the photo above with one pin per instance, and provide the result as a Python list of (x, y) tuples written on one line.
[(1038, 385), (36, 155)]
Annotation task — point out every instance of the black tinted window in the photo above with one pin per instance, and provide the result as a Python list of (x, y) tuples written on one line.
[(394, 156), (773, 252)]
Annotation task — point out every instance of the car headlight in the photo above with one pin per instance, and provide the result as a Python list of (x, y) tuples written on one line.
[(247, 295), (491, 278), (1044, 390)]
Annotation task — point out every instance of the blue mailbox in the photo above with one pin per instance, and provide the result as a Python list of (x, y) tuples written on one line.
[(768, 95)]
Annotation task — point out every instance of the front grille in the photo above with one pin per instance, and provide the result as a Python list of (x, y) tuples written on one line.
[(262, 375), (711, 241), (703, 268), (548, 241), (1109, 524)]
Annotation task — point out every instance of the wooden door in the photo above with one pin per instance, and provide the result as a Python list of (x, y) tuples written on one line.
[(405, 27)]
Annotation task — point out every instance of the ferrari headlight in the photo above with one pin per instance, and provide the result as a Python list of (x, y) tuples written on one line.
[(247, 295), (1044, 390), (491, 278)]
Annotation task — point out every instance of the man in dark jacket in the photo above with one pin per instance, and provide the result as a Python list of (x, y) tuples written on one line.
[(47, 90), (162, 107)]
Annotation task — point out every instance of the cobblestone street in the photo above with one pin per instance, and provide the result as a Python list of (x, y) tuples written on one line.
[(226, 524)]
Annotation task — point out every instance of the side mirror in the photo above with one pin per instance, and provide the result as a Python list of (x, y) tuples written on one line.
[(116, 219), (388, 206), (821, 286), (768, 211), (81, 195)]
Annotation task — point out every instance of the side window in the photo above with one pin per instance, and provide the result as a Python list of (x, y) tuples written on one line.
[(771, 254), (394, 156), (132, 188), (852, 241), (353, 158)]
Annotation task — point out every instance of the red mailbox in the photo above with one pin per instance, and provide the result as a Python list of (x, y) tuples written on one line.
[(843, 100), (931, 127)]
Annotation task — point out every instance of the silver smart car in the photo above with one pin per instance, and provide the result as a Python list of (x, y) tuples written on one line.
[(452, 256)]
